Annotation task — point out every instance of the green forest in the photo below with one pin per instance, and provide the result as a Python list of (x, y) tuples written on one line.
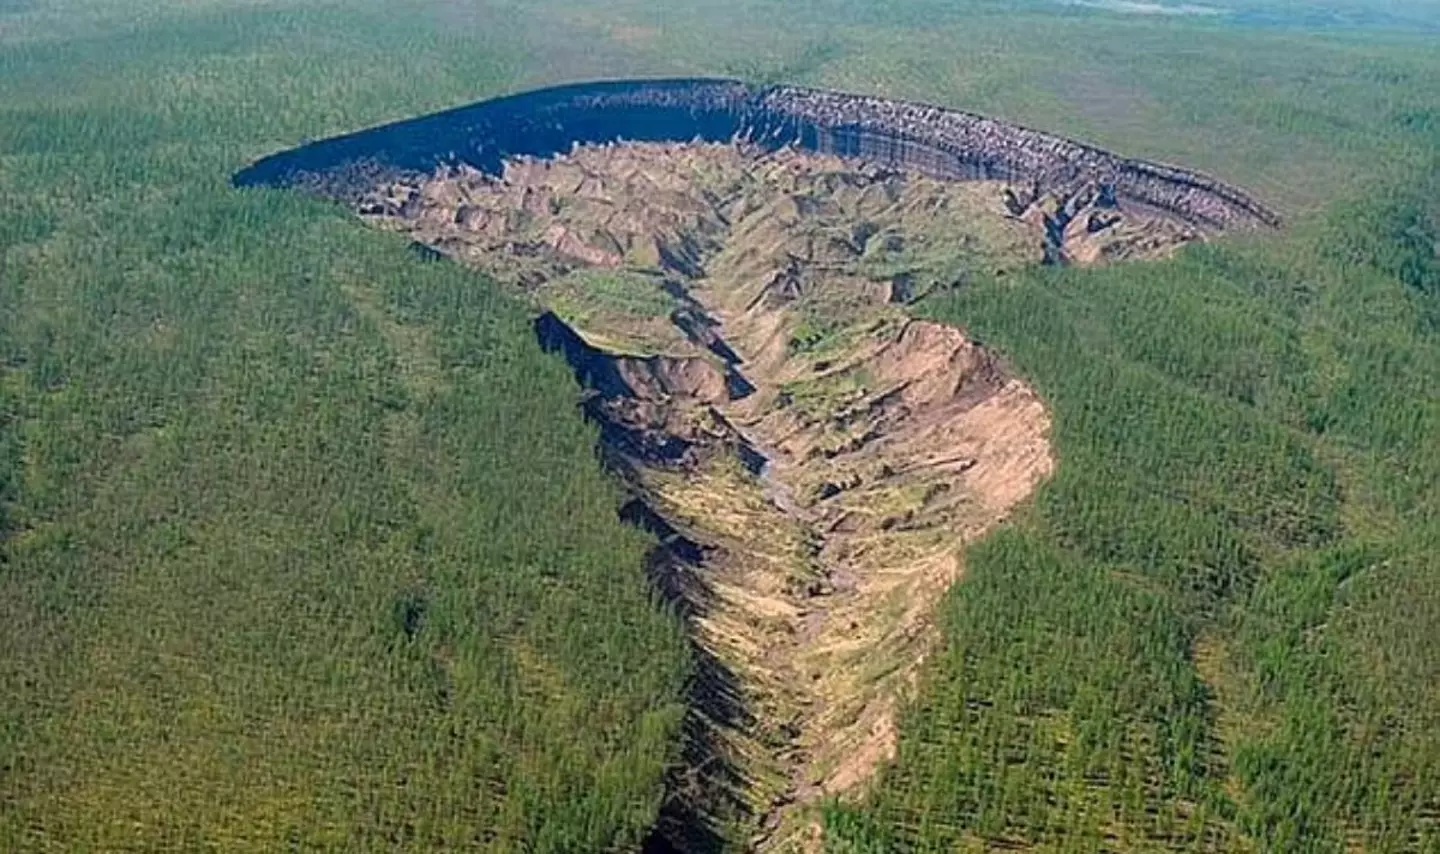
[(306, 545), (1215, 630)]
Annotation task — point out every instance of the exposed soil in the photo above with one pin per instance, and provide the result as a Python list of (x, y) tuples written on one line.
[(813, 458)]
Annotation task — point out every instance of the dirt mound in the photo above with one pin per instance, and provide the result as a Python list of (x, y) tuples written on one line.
[(813, 458)]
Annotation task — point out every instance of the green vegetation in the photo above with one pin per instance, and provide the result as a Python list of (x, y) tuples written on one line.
[(609, 292), (1216, 628), (306, 545), (628, 312), (303, 543)]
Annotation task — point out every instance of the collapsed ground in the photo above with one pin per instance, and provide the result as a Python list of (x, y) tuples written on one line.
[(812, 458)]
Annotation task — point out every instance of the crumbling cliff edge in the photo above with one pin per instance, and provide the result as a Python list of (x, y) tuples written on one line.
[(934, 141)]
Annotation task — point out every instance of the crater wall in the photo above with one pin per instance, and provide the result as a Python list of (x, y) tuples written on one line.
[(934, 141)]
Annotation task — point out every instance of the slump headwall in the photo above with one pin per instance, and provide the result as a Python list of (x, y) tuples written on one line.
[(934, 141)]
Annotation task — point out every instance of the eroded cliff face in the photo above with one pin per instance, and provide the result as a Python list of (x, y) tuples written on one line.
[(812, 458), (923, 139)]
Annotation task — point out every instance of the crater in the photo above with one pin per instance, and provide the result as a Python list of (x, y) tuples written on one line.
[(729, 271)]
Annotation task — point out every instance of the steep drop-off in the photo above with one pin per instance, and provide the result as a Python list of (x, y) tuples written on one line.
[(928, 140), (730, 286)]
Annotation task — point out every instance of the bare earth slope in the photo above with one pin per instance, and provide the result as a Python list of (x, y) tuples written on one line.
[(814, 458)]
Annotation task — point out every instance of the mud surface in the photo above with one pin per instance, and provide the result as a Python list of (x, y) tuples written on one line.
[(731, 287)]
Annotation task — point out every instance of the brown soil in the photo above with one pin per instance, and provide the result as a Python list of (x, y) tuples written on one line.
[(814, 457)]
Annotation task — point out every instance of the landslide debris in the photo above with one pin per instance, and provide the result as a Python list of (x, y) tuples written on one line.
[(812, 457)]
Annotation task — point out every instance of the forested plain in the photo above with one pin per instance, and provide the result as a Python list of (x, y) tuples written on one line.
[(306, 544)]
